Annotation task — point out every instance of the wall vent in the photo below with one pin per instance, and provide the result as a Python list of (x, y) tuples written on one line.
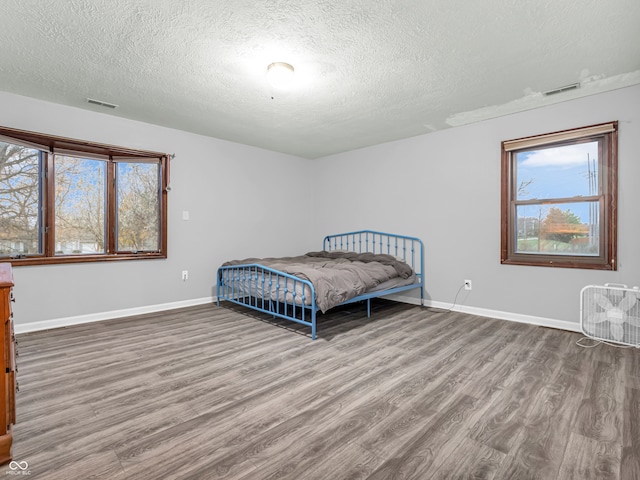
[(566, 88), (101, 103)]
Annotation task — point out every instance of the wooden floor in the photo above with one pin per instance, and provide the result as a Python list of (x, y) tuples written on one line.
[(208, 392)]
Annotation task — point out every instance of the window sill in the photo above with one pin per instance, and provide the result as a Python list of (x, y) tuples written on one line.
[(558, 262), (64, 259)]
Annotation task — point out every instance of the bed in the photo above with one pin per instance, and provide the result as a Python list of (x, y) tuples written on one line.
[(351, 267)]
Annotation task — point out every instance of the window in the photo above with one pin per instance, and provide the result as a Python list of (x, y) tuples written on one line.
[(559, 199), (64, 200)]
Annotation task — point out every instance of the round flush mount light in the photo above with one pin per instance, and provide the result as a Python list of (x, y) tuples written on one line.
[(279, 75)]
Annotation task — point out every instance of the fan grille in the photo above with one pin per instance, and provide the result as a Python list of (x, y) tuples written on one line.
[(611, 313)]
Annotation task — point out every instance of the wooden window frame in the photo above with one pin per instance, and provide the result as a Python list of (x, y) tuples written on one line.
[(607, 133), (50, 145)]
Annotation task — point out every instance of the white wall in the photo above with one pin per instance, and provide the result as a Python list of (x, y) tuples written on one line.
[(444, 187), (241, 200)]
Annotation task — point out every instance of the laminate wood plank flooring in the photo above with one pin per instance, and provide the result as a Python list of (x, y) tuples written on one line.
[(211, 392)]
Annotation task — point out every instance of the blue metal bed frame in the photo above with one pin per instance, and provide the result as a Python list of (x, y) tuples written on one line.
[(249, 284)]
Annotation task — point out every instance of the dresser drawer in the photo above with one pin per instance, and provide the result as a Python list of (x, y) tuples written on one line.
[(9, 385)]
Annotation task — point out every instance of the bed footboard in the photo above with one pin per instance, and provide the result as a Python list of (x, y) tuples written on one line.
[(270, 291)]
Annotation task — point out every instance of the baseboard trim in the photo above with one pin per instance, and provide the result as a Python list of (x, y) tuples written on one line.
[(97, 317), (485, 312)]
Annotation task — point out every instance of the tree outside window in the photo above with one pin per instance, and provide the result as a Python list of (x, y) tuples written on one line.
[(20, 200)]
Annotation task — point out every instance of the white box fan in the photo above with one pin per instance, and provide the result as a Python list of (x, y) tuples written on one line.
[(611, 313)]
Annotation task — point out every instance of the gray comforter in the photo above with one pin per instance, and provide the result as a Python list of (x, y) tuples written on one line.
[(337, 276)]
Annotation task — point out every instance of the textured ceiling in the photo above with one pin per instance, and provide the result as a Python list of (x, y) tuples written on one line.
[(367, 71)]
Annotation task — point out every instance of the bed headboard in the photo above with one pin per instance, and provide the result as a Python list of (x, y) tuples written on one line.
[(409, 249)]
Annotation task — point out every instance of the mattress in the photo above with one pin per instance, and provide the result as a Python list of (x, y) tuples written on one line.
[(337, 277)]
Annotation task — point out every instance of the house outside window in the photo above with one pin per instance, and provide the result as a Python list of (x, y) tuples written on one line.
[(559, 199)]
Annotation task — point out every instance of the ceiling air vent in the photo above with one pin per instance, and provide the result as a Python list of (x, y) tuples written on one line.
[(566, 88), (101, 103)]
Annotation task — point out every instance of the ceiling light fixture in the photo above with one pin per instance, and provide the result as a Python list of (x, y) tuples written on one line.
[(279, 75)]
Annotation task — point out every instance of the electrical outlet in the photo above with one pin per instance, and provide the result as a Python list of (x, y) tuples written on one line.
[(468, 285), (185, 275)]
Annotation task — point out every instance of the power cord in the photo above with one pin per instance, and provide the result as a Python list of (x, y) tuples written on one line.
[(455, 300), (580, 343)]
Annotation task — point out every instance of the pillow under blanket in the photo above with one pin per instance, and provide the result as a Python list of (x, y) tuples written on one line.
[(401, 267)]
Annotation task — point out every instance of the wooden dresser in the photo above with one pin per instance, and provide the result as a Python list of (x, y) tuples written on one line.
[(7, 344)]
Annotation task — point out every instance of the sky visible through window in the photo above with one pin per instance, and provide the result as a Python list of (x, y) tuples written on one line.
[(559, 172)]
